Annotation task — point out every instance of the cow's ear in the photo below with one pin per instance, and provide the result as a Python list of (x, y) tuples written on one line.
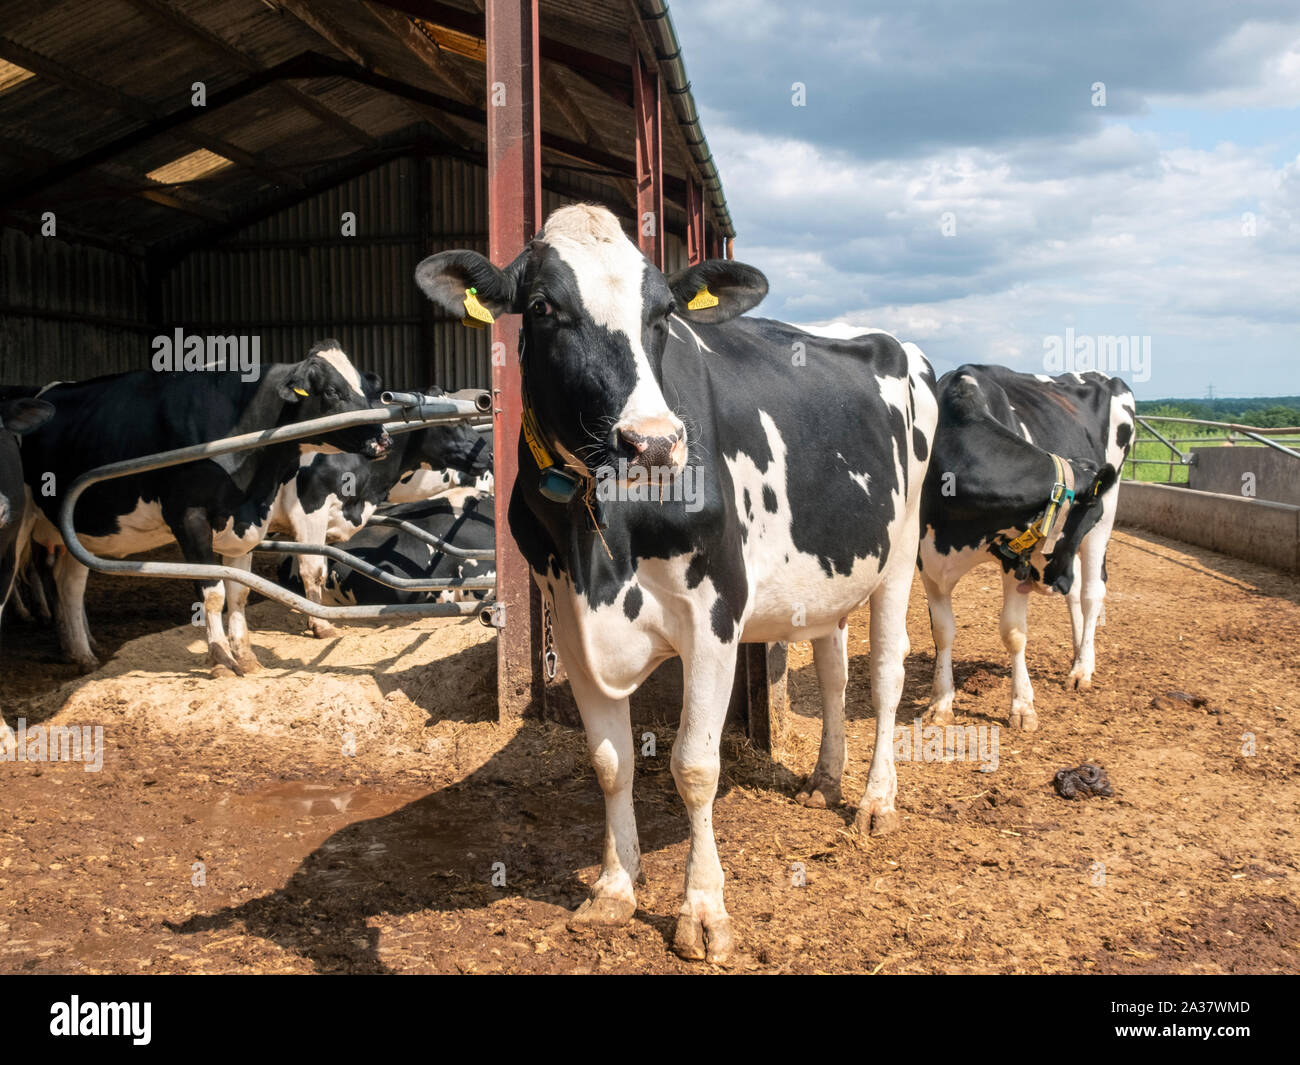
[(23, 415), (717, 290), (456, 280), (371, 384), (1104, 482), (305, 379)]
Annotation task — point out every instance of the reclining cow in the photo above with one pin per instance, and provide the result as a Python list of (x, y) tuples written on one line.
[(467, 525), (1025, 473), (793, 468), (333, 496), (213, 507), (17, 416)]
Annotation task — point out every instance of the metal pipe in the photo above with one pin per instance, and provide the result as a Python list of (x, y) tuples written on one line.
[(1181, 457), (479, 583), (429, 538), (481, 399), (425, 409), (1250, 431)]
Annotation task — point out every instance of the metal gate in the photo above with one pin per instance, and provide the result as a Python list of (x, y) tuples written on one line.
[(402, 412)]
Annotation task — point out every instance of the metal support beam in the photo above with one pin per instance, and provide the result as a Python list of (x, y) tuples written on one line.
[(761, 685), (514, 216), (167, 14), (694, 222), (649, 159), (111, 99)]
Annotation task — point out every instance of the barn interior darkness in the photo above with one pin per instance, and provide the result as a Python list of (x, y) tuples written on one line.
[(276, 168)]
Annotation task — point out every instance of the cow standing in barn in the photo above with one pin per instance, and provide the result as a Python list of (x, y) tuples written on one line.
[(1025, 474), (805, 457), (17, 417), (212, 507)]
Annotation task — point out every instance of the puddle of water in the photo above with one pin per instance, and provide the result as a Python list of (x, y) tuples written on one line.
[(298, 798)]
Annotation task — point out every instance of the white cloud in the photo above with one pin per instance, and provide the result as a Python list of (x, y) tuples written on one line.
[(1120, 237)]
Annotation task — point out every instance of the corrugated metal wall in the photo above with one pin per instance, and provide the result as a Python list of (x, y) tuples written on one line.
[(292, 280), (67, 311)]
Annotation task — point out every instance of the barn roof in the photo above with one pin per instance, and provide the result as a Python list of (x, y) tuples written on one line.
[(98, 120)]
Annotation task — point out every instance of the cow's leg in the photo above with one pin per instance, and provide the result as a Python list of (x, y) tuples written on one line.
[(1014, 627), (312, 527), (1092, 563), (608, 724), (831, 658), (1076, 610), (193, 533), (703, 927), (876, 813), (44, 589), (943, 628), (8, 577), (70, 611), (236, 600), (314, 569)]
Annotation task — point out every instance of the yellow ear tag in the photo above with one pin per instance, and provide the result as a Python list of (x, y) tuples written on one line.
[(301, 391), (703, 299), (476, 315)]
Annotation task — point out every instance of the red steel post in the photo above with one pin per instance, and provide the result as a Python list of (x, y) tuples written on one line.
[(649, 159), (514, 215)]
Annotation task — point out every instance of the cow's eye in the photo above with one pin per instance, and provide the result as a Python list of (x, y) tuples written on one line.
[(541, 308)]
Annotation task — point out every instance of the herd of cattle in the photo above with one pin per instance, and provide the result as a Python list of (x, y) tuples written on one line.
[(830, 470)]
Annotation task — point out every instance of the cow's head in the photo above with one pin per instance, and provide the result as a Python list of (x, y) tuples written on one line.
[(596, 320), (326, 382), (17, 416), (1086, 510), (450, 447)]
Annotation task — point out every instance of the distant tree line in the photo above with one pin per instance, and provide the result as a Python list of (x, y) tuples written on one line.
[(1267, 412)]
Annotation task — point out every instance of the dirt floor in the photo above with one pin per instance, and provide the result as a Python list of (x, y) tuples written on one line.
[(353, 808)]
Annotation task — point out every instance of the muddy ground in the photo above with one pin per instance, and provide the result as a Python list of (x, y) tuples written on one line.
[(345, 809)]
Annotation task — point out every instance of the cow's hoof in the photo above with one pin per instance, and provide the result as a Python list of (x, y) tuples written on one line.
[(819, 792), (221, 664), (703, 940), (1078, 680), (248, 663), (323, 630), (939, 713), (604, 911), (871, 821), (1023, 717), (87, 665)]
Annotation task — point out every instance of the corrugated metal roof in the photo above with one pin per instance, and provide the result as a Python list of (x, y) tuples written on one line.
[(108, 67)]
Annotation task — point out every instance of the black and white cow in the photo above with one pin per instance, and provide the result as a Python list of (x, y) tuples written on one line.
[(992, 478), (333, 496), (796, 467), (214, 507), (467, 524), (17, 416)]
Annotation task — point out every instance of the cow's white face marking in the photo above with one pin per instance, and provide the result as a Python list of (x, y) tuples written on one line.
[(610, 271), (346, 370)]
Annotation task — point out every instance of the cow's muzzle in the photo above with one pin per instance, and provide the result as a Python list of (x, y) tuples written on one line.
[(377, 446), (655, 443)]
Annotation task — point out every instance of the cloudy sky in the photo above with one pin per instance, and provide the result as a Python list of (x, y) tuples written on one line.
[(950, 177)]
